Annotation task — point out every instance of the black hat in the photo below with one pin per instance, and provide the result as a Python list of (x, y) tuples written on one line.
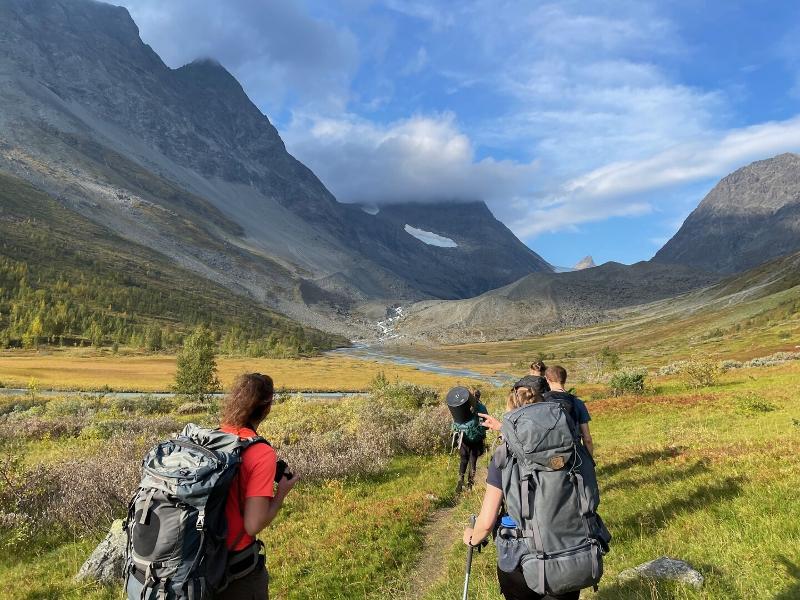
[(534, 383)]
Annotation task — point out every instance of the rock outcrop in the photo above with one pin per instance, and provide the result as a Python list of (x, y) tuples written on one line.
[(108, 560), (751, 216), (664, 569)]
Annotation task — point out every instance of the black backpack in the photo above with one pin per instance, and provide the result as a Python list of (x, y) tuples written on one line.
[(176, 524)]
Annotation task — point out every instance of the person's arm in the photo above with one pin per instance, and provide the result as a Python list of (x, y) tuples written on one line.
[(492, 500), (260, 511), (587, 438)]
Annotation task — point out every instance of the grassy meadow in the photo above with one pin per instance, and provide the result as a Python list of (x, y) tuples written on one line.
[(88, 370), (708, 475)]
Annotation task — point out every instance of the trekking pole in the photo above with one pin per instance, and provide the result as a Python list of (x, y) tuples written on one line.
[(470, 550)]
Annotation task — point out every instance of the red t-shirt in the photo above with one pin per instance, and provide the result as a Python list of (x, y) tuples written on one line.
[(256, 477)]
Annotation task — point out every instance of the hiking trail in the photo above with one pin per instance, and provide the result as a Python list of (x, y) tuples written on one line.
[(443, 529)]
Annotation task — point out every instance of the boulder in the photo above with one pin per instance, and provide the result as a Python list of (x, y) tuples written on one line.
[(107, 561), (664, 569)]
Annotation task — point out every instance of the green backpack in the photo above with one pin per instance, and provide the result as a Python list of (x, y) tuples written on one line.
[(472, 430)]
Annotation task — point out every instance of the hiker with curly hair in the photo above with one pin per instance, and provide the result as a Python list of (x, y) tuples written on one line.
[(254, 499)]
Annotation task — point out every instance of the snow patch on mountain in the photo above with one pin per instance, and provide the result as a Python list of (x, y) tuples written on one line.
[(430, 238)]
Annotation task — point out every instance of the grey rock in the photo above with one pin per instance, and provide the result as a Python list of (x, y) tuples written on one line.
[(586, 262), (664, 569), (107, 560), (750, 217)]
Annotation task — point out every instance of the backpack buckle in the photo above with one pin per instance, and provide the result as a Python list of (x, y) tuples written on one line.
[(201, 521)]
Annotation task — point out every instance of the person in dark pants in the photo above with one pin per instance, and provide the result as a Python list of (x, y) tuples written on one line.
[(472, 443)]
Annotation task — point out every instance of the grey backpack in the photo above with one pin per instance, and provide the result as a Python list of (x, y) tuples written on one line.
[(550, 492), (176, 524)]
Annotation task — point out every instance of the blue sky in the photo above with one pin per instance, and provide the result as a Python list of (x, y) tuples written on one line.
[(588, 127)]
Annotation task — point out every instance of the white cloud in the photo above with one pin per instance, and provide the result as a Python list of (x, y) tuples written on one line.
[(616, 189), (423, 158), (275, 49)]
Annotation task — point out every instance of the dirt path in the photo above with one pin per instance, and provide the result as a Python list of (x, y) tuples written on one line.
[(441, 532)]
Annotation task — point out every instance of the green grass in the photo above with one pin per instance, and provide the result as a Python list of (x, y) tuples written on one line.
[(692, 477), (708, 476)]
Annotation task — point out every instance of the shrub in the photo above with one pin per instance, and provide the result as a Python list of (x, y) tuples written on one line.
[(730, 365), (427, 432), (700, 372), (753, 404), (154, 405), (627, 382), (81, 406), (672, 368), (25, 495), (196, 373), (191, 408), (21, 404), (608, 359), (408, 396), (38, 428), (337, 454), (156, 428)]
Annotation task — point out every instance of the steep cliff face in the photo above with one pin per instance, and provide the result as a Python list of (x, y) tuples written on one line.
[(750, 217), (182, 161)]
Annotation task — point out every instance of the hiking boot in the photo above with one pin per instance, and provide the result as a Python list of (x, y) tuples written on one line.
[(459, 486)]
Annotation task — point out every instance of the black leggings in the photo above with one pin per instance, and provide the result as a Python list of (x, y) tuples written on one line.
[(469, 456), (513, 587)]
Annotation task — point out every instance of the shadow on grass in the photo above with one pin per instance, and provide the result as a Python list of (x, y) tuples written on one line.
[(698, 468), (643, 459), (651, 520), (793, 592)]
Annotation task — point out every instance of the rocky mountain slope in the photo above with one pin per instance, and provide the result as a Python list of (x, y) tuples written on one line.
[(181, 161), (546, 302), (751, 216)]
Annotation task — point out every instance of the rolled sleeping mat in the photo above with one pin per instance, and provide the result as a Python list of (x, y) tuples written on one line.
[(458, 403)]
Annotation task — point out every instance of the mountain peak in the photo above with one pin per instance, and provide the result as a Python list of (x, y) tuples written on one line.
[(751, 216), (587, 262)]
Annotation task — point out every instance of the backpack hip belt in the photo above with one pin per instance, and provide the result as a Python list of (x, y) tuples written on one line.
[(245, 561)]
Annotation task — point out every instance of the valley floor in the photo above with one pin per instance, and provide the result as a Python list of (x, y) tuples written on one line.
[(709, 476)]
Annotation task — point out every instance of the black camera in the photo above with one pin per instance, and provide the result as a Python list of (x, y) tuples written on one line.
[(282, 471)]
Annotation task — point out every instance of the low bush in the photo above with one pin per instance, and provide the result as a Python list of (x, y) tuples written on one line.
[(408, 396), (752, 403), (191, 408), (730, 365), (159, 427), (79, 406), (627, 382), (427, 432), (20, 404), (39, 428), (700, 372), (337, 454)]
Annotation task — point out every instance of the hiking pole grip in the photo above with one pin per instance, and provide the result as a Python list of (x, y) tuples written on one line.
[(470, 550)]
